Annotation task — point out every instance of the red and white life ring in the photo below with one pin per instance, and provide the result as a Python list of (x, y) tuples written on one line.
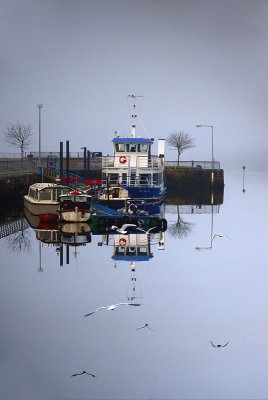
[(122, 242), (122, 159)]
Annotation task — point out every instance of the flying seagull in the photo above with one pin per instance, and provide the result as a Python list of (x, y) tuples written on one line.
[(145, 326), (124, 228), (148, 231), (112, 307), (221, 235), (84, 373), (219, 345)]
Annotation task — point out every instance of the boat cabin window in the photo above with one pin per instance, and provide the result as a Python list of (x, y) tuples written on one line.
[(131, 251), (120, 147), (32, 193), (45, 195), (142, 251), (143, 148), (119, 251), (131, 148)]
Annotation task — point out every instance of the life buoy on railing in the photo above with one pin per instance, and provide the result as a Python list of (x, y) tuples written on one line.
[(122, 159), (122, 242)]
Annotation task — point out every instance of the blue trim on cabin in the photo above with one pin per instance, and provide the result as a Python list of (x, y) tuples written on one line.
[(132, 140), (129, 258)]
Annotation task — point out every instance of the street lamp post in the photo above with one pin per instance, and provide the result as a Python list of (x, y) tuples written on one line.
[(85, 158), (212, 149), (39, 147)]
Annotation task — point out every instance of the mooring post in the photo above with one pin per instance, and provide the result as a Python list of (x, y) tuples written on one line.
[(61, 163), (67, 164)]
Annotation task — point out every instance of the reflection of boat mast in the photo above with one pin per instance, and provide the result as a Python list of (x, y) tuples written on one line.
[(133, 280)]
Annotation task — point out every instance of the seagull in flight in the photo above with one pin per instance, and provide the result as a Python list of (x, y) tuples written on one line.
[(84, 373), (112, 307), (221, 235), (148, 231), (218, 345), (145, 326), (124, 228)]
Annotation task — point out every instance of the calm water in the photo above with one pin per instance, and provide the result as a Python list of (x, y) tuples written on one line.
[(188, 297)]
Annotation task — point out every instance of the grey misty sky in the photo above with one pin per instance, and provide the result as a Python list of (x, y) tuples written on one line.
[(195, 62)]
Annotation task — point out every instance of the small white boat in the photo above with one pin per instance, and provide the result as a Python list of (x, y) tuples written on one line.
[(75, 207), (114, 194), (43, 199)]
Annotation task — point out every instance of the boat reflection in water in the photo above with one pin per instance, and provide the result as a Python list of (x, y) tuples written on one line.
[(54, 232), (132, 248)]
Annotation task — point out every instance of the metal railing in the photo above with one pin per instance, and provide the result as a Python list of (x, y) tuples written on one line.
[(17, 166), (46, 154), (194, 164), (140, 162)]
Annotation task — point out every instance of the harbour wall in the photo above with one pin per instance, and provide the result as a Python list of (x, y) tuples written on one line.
[(187, 185)]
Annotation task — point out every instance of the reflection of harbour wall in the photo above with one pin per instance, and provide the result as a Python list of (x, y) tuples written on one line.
[(200, 182)]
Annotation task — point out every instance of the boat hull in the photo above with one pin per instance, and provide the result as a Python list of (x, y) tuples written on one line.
[(147, 193), (75, 215), (41, 207)]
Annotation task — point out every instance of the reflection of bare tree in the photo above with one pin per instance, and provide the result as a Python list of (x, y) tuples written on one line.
[(20, 241), (181, 228)]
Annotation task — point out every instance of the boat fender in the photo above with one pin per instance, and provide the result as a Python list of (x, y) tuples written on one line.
[(163, 224), (122, 242), (122, 159)]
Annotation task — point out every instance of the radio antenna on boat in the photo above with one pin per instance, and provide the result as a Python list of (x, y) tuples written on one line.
[(133, 114)]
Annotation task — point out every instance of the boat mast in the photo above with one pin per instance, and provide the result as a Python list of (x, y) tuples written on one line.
[(133, 115)]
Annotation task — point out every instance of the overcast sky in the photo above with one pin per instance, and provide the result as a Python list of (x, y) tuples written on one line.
[(194, 62)]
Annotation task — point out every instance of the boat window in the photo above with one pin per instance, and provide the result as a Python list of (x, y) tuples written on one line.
[(131, 147), (32, 193), (45, 195), (124, 178), (81, 199), (142, 251), (114, 178), (143, 148), (120, 147), (119, 251), (131, 251)]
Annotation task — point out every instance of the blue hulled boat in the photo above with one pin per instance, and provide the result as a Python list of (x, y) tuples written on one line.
[(133, 173)]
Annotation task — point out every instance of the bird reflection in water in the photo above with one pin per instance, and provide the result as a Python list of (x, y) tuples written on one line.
[(112, 307), (84, 373), (145, 326)]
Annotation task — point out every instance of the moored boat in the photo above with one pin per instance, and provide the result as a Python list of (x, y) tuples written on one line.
[(133, 168), (43, 199)]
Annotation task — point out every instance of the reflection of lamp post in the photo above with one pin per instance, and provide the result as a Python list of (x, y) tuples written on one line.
[(243, 190), (39, 149), (213, 237), (40, 268), (212, 150)]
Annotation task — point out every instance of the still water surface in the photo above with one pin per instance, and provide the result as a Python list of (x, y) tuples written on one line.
[(188, 297)]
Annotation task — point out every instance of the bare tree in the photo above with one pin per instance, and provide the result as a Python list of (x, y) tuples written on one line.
[(181, 228), (20, 241), (181, 140), (18, 135)]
